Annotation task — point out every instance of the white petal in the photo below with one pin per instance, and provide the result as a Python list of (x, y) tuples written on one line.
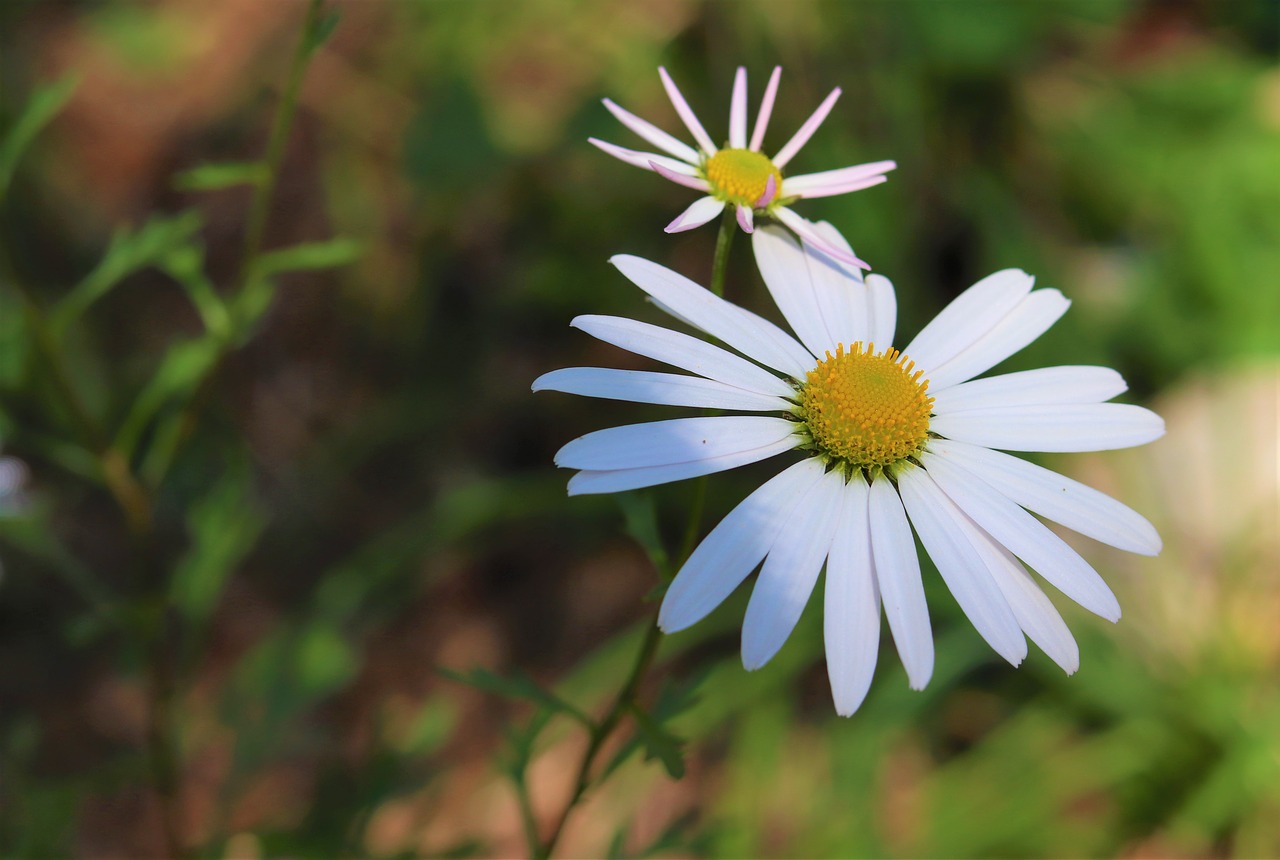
[(806, 231), (746, 218), (841, 181), (676, 440), (734, 547), (898, 576), (801, 137), (1044, 385), (790, 571), (969, 316), (680, 350), (935, 519), (654, 135), (883, 305), (667, 389), (842, 295), (851, 606), (786, 270), (686, 113), (680, 177), (1024, 536), (831, 189), (619, 480), (1073, 427), (1033, 609), (738, 111), (766, 110), (1031, 318), (737, 327), (1055, 497), (643, 160), (700, 212)]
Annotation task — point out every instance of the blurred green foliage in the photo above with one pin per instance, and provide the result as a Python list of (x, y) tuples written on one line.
[(353, 488)]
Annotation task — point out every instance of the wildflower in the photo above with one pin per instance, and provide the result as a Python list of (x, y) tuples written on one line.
[(891, 440), (739, 175)]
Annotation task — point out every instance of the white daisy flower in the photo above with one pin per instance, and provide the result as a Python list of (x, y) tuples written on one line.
[(892, 440), (739, 175)]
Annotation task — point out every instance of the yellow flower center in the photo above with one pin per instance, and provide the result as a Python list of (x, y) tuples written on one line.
[(868, 411), (741, 176)]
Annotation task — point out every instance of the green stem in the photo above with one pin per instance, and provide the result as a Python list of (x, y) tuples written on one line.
[(276, 140), (256, 220), (720, 267), (625, 700)]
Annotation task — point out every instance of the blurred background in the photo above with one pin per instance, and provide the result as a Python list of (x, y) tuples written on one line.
[(367, 493)]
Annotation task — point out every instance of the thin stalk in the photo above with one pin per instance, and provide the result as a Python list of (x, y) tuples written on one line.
[(276, 140), (720, 266), (625, 700), (256, 221)]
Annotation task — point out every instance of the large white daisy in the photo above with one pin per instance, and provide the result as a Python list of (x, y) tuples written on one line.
[(893, 440), (739, 175)]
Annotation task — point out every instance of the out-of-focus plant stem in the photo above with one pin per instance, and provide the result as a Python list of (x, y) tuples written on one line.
[(136, 505), (256, 220), (264, 191), (724, 241), (625, 701)]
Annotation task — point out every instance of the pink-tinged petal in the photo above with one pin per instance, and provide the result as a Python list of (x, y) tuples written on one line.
[(843, 176), (832, 189), (686, 114), (644, 160), (653, 134), (805, 231), (738, 111), (766, 110), (702, 211), (745, 219), (770, 191), (801, 137), (679, 178)]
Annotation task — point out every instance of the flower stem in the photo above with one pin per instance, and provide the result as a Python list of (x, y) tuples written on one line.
[(720, 267), (624, 702), (264, 192)]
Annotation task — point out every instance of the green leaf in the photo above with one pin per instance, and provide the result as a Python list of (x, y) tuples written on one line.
[(227, 174), (224, 526), (323, 29), (43, 107), (324, 661), (185, 264), (309, 255), (659, 743), (129, 252), (517, 686), (180, 372), (640, 513), (13, 340)]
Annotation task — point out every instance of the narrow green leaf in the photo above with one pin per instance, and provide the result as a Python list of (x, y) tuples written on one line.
[(180, 372), (129, 252), (309, 255), (185, 264), (517, 686), (224, 526), (323, 30), (227, 174), (43, 107), (659, 743), (640, 513)]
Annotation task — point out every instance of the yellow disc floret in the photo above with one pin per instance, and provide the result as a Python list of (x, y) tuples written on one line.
[(741, 176), (868, 411)]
